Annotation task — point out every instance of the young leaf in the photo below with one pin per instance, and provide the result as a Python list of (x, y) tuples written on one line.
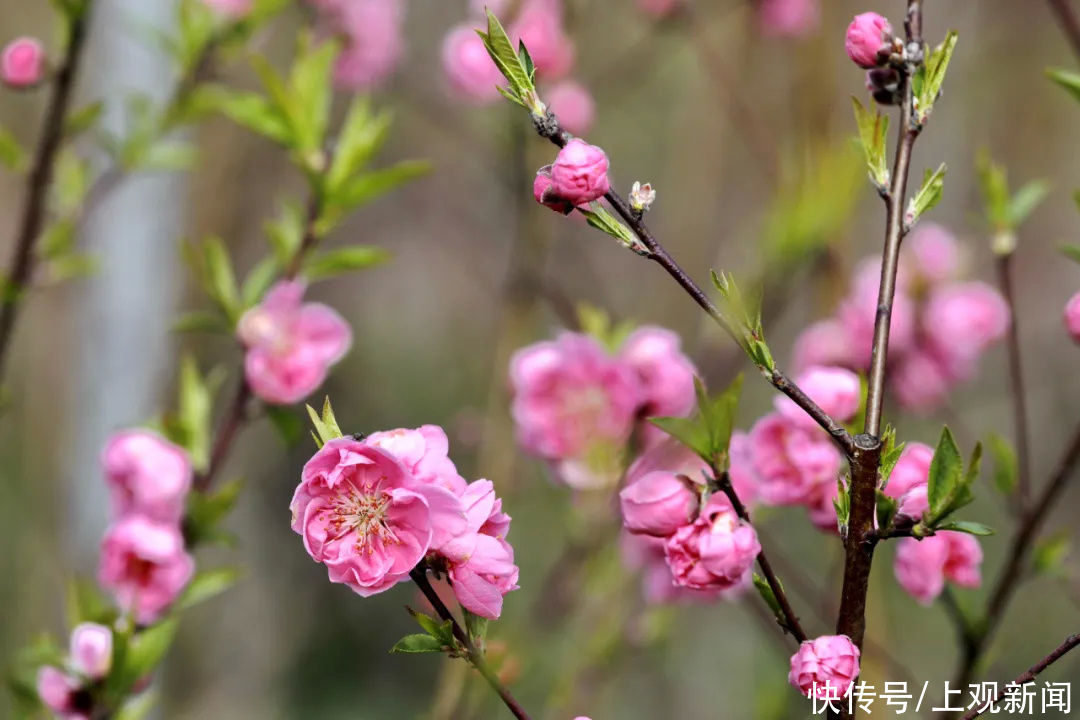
[(288, 425), (1071, 251), (767, 594), (362, 134), (325, 425), (1049, 554), (220, 280), (342, 260), (476, 626), (598, 217), (11, 153), (256, 114), (418, 643), (936, 65), (1006, 469), (86, 603), (146, 649), (206, 511), (365, 188), (83, 119), (1026, 200), (206, 584), (258, 281), (510, 64), (688, 431), (873, 130), (311, 93), (946, 473), (928, 195), (1066, 79), (966, 526), (886, 509), (195, 405)]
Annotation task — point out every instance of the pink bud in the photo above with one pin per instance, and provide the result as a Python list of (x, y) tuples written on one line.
[(573, 105), (231, 8), (716, 551), (146, 474), (911, 470), (866, 35), (579, 173), (825, 666), (657, 503), (56, 689), (1072, 317), (468, 67), (144, 563), (788, 18), (923, 566), (914, 503), (834, 389), (545, 195), (91, 650), (23, 63)]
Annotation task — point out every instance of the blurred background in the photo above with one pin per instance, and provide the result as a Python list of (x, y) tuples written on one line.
[(733, 127)]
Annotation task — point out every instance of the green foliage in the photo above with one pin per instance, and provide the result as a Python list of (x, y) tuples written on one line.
[(966, 526), (886, 509), (842, 505), (417, 643), (1006, 468), (708, 432), (207, 584), (86, 603), (931, 75), (437, 636), (768, 596), (949, 486), (206, 512), (1066, 79), (286, 422), (873, 130), (212, 265), (516, 67), (1071, 251), (326, 425), (890, 454), (83, 119), (136, 655), (190, 425), (22, 675), (363, 188), (1005, 213), (743, 316), (11, 153), (596, 322), (1049, 554), (598, 217), (476, 626), (928, 195)]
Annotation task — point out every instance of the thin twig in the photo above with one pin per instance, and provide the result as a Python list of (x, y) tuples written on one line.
[(1016, 382), (1029, 676), (39, 181), (419, 576), (230, 426), (1070, 24)]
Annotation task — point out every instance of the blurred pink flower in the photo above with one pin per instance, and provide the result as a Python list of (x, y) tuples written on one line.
[(716, 551), (963, 320), (467, 65), (825, 666), (933, 252), (666, 374), (908, 480), (22, 63), (923, 566), (788, 18), (59, 693), (231, 8), (866, 34), (579, 173), (658, 503), (146, 474), (290, 345), (573, 104), (144, 564), (363, 515), (539, 25), (836, 390), (91, 650), (919, 381), (374, 44), (858, 312), (1072, 317), (794, 465), (824, 343)]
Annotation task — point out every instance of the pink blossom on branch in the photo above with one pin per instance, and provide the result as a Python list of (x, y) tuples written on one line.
[(372, 32), (22, 63), (716, 552), (144, 564), (794, 465), (825, 666), (291, 345), (544, 192), (836, 390), (59, 692), (425, 452), (658, 503), (579, 173), (866, 35), (91, 650), (146, 474), (923, 566), (665, 373)]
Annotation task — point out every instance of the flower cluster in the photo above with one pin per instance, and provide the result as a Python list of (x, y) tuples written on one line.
[(90, 655), (941, 324), (291, 345), (825, 667), (22, 63), (143, 558), (371, 510), (577, 406), (473, 76)]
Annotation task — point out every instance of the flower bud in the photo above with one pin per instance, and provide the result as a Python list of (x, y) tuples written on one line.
[(545, 195), (91, 650), (642, 196), (715, 552), (825, 666), (55, 689), (579, 173), (1072, 317), (23, 63), (884, 85), (866, 35), (657, 503)]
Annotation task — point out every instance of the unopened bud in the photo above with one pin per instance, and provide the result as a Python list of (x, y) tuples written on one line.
[(641, 196)]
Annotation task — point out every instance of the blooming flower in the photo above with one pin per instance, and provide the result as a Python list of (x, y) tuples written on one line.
[(60, 693), (425, 452), (22, 63), (716, 551), (825, 666), (467, 65), (573, 104), (544, 192), (665, 373), (1072, 317), (144, 563), (290, 345), (91, 650), (794, 464), (866, 34), (834, 389), (363, 515), (923, 566), (579, 173), (658, 503), (146, 474)]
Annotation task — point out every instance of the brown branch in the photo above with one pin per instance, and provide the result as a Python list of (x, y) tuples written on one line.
[(1029, 676), (235, 418), (39, 181), (419, 576), (1070, 24), (1016, 383)]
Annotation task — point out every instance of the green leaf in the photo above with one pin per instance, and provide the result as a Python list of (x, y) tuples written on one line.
[(311, 94), (889, 457), (842, 505), (1006, 468), (1049, 554), (688, 431), (206, 511), (286, 234), (326, 426), (258, 281), (1071, 251), (361, 136), (220, 279), (873, 129), (207, 584), (966, 526), (476, 626), (995, 191), (886, 510), (366, 187), (441, 631), (255, 112), (509, 63), (767, 594), (418, 643), (201, 322), (169, 157), (11, 153), (195, 407), (342, 260), (147, 648), (937, 63), (83, 119), (708, 433), (946, 473), (137, 707), (1026, 200), (927, 197), (288, 424), (599, 218), (86, 603), (1066, 79)]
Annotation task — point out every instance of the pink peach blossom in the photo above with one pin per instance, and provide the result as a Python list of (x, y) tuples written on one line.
[(658, 503), (793, 464), (59, 692), (290, 345), (923, 566), (666, 374), (933, 252), (144, 564), (374, 43), (964, 560), (911, 470), (836, 391), (22, 63), (467, 65), (231, 8), (825, 666), (1072, 317), (821, 507), (539, 25), (363, 515), (91, 650), (543, 191), (579, 173), (919, 381), (964, 319), (858, 313), (425, 452), (716, 551), (824, 343), (914, 503), (146, 474), (865, 35), (573, 104), (789, 18)]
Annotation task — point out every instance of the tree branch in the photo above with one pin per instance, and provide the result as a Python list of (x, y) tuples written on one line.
[(1029, 676), (1016, 384), (419, 576), (1070, 25), (39, 181)]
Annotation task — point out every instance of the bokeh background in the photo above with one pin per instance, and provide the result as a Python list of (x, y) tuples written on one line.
[(728, 125)]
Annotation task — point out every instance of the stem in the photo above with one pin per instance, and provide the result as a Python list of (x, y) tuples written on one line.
[(1011, 574), (548, 127), (861, 538), (1029, 676), (39, 181), (419, 576), (790, 624), (1016, 380), (227, 431), (1070, 25)]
